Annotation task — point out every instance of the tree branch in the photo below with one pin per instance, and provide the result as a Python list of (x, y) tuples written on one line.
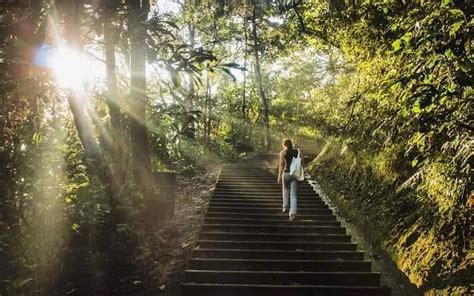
[(308, 31)]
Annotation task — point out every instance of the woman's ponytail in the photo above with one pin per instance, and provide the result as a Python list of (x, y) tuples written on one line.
[(288, 144)]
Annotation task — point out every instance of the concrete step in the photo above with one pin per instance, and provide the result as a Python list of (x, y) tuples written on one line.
[(330, 222), (263, 187), (258, 184), (272, 196), (283, 277), (243, 236), (276, 245), (267, 228), (218, 193), (244, 204), (268, 182), (306, 201), (248, 179), (276, 215), (194, 289), (268, 210), (255, 190), (273, 180), (277, 254), (245, 173), (279, 265)]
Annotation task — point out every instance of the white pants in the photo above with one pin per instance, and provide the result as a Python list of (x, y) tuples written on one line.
[(290, 189)]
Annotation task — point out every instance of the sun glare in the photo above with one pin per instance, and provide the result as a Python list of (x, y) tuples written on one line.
[(71, 69)]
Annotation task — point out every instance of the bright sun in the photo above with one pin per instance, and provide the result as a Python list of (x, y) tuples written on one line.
[(71, 68)]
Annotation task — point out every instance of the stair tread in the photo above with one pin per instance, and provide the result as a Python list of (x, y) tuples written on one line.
[(284, 272), (271, 234), (255, 200), (266, 220), (280, 222), (268, 208), (276, 242), (276, 251), (284, 264), (293, 286), (280, 260), (270, 215), (273, 226)]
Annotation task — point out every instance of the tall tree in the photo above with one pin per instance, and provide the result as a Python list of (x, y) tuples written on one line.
[(258, 77), (116, 167), (77, 99), (191, 97), (244, 86), (140, 154)]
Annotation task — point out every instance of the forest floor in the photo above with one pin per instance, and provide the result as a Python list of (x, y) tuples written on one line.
[(164, 253)]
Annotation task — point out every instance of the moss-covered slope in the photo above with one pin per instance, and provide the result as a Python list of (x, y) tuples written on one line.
[(419, 222)]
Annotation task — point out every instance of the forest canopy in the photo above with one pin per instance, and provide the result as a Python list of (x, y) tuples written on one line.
[(96, 96)]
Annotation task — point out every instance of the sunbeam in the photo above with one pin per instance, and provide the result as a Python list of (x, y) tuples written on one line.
[(70, 68)]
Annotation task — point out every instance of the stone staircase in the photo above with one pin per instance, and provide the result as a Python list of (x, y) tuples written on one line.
[(247, 247)]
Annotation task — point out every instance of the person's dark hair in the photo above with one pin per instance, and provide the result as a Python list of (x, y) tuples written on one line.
[(288, 144)]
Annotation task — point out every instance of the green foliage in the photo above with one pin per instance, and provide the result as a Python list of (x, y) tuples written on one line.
[(386, 84), (402, 105), (419, 226)]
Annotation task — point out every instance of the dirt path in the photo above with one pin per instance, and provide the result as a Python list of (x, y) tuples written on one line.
[(165, 252)]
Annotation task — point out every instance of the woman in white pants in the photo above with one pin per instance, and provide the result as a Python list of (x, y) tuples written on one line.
[(290, 184)]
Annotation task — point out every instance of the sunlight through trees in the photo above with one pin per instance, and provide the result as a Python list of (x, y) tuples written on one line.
[(99, 95)]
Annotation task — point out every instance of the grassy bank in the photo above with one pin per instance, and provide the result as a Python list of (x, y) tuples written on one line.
[(417, 218)]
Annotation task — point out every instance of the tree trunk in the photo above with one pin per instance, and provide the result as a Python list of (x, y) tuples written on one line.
[(84, 127), (77, 100), (245, 137), (207, 120), (265, 120), (140, 154), (111, 77), (116, 167), (190, 101), (244, 91)]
